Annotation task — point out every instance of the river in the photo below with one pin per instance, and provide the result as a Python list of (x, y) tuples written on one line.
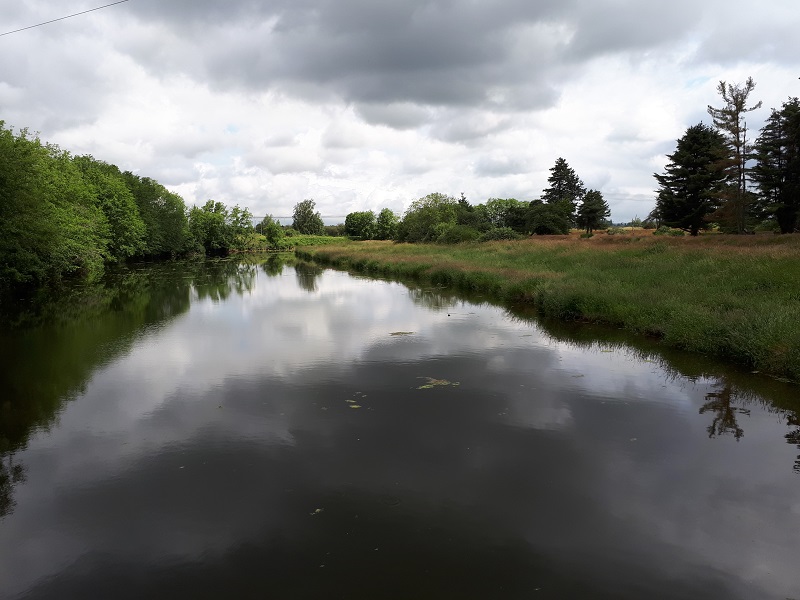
[(261, 428)]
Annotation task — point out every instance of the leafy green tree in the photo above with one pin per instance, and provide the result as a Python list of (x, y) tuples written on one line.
[(730, 121), (335, 230), (777, 172), (164, 214), (566, 188), (210, 227), (506, 212), (553, 218), (691, 184), (305, 220), (240, 225), (28, 233), (50, 224), (272, 230), (360, 224), (424, 215), (474, 218), (593, 211), (127, 229), (386, 225)]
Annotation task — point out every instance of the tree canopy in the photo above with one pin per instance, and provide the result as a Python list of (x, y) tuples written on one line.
[(566, 188), (306, 220), (777, 172), (730, 122), (593, 211), (386, 225), (693, 179), (360, 224), (427, 218)]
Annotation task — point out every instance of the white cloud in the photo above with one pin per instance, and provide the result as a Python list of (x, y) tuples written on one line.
[(365, 106)]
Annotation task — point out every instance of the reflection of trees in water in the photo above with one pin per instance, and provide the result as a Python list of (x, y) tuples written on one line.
[(736, 389), (724, 421), (50, 348), (434, 298), (216, 280), (793, 437), (273, 266), (10, 475), (307, 275)]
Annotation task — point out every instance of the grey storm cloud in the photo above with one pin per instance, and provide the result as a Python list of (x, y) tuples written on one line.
[(398, 115), (396, 60), (424, 52)]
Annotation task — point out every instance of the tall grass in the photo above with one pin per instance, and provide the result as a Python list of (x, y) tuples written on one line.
[(733, 297)]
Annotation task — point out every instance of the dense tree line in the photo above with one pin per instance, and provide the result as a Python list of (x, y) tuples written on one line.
[(439, 218), (718, 177), (63, 215)]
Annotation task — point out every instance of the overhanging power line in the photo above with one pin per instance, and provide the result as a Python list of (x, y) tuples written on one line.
[(62, 18)]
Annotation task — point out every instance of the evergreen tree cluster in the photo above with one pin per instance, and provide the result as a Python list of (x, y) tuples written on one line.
[(717, 176)]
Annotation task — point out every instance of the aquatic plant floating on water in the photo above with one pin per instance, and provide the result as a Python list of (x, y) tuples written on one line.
[(436, 382)]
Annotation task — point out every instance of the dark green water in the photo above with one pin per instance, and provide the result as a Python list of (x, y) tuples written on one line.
[(255, 430)]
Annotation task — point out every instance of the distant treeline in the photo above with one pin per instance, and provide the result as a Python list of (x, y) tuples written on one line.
[(443, 219), (64, 215)]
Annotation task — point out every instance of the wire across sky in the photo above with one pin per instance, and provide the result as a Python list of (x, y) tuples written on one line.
[(62, 18)]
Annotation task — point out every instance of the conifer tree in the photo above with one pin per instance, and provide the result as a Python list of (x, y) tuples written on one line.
[(566, 188), (593, 211), (730, 121), (777, 172), (691, 184)]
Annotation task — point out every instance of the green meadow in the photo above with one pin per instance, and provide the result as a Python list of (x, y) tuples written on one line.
[(732, 297)]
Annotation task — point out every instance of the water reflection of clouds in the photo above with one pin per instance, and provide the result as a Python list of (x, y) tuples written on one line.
[(621, 462)]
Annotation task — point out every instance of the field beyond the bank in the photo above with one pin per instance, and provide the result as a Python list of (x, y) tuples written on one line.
[(733, 297)]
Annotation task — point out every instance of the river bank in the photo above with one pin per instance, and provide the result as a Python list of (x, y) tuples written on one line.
[(735, 298)]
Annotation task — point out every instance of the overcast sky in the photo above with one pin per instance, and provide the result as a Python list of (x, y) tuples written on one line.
[(368, 104)]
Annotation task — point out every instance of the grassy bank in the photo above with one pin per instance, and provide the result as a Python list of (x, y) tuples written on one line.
[(733, 297)]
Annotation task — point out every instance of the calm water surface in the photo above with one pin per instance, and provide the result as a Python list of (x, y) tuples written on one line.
[(262, 430)]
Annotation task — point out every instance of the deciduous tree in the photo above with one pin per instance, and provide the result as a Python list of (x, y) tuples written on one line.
[(306, 220), (272, 230), (386, 225), (126, 227), (360, 224), (548, 218), (426, 218)]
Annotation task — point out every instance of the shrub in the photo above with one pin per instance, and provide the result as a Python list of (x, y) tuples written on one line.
[(455, 234), (500, 233), (664, 230)]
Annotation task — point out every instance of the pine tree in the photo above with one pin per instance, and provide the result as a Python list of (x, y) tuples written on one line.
[(565, 187), (691, 184), (593, 211), (777, 172), (730, 120)]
